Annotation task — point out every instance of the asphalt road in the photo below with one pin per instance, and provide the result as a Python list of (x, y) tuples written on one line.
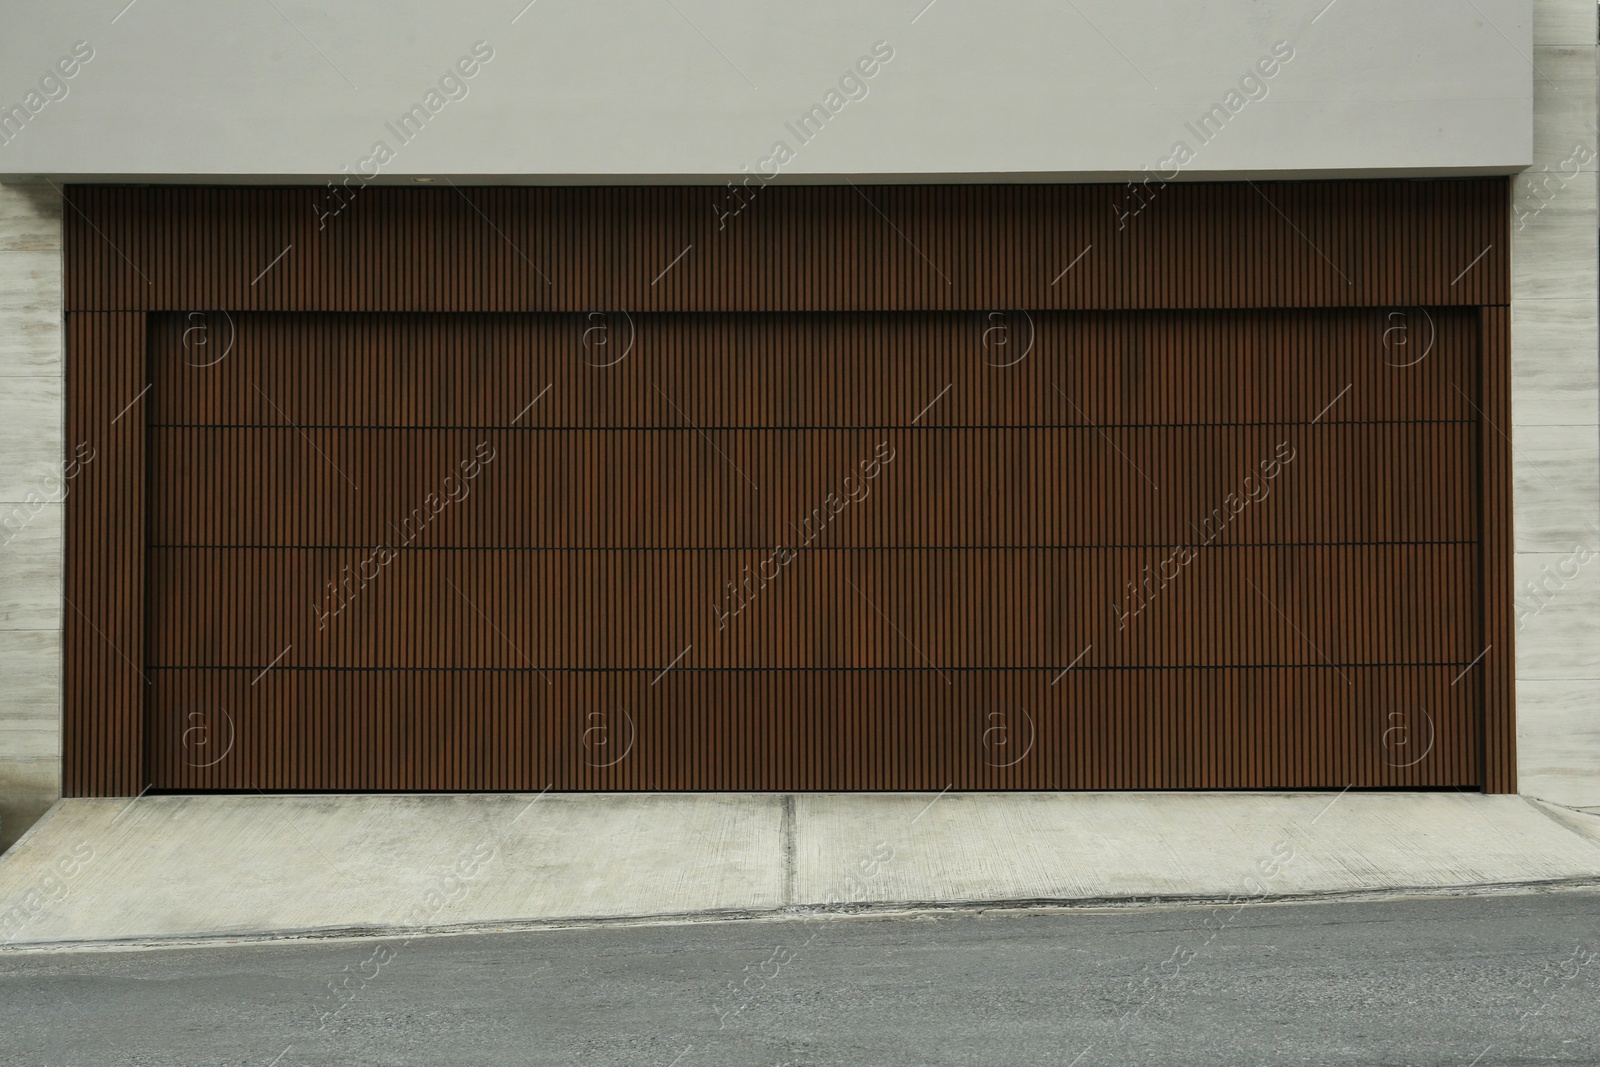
[(1480, 980)]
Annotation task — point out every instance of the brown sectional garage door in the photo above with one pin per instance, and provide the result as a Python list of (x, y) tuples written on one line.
[(1161, 530)]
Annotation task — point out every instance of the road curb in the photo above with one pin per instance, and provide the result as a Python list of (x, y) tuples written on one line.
[(806, 913)]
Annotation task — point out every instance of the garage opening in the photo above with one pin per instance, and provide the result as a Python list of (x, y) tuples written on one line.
[(999, 496)]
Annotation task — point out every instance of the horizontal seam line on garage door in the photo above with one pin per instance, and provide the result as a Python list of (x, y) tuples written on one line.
[(1403, 664), (809, 548), (810, 428)]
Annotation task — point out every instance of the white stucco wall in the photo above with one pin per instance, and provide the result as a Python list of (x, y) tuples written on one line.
[(654, 90)]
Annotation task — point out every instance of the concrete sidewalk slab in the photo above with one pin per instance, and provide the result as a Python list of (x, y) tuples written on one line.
[(264, 865), (1109, 846), (236, 867)]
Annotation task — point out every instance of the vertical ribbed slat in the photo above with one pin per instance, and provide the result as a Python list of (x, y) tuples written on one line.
[(898, 248), (1499, 664), (106, 693)]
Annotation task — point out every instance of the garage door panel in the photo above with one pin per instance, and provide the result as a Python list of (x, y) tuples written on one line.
[(823, 609), (865, 369), (1330, 482), (407, 531), (812, 730)]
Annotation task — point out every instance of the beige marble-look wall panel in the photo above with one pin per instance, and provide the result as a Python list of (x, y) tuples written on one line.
[(27, 789), (1550, 204), (1558, 612), (30, 694), (1561, 268), (31, 438), (1555, 377), (1556, 748), (31, 561), (1561, 261), (1563, 22), (1555, 472), (30, 281), (1560, 134), (30, 340), (30, 218), (1555, 425)]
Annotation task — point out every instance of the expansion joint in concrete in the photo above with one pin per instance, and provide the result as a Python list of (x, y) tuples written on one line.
[(789, 861)]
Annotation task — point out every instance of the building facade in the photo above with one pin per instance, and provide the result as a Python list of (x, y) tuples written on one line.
[(881, 400)]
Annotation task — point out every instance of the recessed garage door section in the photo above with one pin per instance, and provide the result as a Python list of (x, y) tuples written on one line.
[(781, 546)]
